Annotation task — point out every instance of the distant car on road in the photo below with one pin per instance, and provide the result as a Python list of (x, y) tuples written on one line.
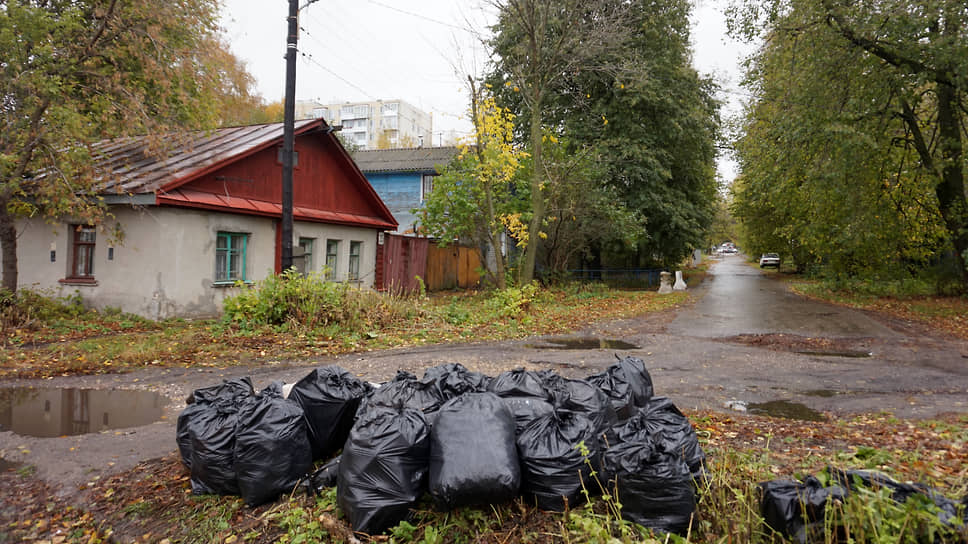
[(769, 259)]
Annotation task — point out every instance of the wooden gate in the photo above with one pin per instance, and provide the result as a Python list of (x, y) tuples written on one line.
[(452, 267)]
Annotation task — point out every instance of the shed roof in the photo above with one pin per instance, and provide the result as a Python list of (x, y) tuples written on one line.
[(415, 159)]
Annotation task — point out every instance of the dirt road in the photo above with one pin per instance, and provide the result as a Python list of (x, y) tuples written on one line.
[(746, 342)]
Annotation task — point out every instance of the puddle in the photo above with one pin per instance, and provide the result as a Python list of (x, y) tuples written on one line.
[(836, 353), (784, 409), (586, 342), (825, 393), (47, 413)]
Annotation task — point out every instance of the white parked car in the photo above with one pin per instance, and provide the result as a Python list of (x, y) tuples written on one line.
[(769, 259)]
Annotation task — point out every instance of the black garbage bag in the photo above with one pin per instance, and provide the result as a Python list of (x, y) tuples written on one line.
[(655, 488), (473, 458), (669, 431), (519, 383), (383, 468), (198, 401), (527, 409), (900, 492), (453, 379), (323, 477), (627, 384), (406, 390), (212, 433), (330, 397), (583, 397), (554, 469), (796, 510), (272, 450)]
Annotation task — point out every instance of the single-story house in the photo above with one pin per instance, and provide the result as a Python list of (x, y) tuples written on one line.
[(403, 177), (206, 214)]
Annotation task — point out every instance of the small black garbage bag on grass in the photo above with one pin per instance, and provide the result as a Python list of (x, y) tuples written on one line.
[(554, 468), (473, 458), (668, 430), (900, 492), (383, 467), (198, 401), (212, 432), (272, 451), (796, 510), (330, 397), (655, 488), (627, 384)]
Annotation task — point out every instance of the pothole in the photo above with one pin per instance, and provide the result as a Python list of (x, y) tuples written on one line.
[(582, 342), (49, 412), (785, 409)]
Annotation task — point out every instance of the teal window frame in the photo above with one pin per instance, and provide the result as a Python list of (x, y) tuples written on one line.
[(356, 252), (307, 244), (229, 245), (332, 258)]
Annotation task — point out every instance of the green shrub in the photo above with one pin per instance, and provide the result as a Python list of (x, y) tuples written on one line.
[(311, 303), (512, 301), (27, 308)]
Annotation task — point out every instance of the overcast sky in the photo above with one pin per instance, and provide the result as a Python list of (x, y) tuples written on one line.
[(414, 50)]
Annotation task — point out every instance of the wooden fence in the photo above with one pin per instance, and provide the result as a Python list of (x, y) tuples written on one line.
[(406, 257)]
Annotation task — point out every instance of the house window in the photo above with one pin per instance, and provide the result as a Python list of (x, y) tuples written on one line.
[(230, 257), (82, 263), (307, 254), (426, 186), (332, 252), (355, 251)]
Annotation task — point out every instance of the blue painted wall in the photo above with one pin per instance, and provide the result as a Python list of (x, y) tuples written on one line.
[(400, 191)]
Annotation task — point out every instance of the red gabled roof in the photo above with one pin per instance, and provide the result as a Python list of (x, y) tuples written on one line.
[(166, 166)]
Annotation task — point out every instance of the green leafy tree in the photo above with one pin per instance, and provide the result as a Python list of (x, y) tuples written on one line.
[(479, 196), (76, 72), (857, 136), (631, 93)]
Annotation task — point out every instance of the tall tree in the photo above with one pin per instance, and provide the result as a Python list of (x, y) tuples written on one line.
[(867, 120), (479, 195), (74, 72), (537, 45), (633, 96)]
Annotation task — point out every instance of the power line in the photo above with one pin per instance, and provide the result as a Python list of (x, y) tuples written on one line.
[(424, 17), (310, 58)]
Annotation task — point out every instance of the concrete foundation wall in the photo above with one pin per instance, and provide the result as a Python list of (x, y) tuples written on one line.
[(164, 264)]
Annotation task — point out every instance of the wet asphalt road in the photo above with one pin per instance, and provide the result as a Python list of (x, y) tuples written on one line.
[(691, 354)]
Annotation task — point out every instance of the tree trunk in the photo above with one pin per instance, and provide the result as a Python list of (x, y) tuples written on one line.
[(8, 241), (951, 187), (537, 195)]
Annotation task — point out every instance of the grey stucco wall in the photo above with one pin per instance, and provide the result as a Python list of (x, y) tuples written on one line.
[(165, 264)]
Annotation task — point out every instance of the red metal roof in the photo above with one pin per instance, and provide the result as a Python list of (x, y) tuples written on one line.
[(147, 164), (164, 166)]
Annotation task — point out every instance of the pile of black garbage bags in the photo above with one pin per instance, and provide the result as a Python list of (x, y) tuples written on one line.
[(463, 437)]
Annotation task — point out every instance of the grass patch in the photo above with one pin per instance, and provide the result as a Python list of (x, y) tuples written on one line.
[(275, 322)]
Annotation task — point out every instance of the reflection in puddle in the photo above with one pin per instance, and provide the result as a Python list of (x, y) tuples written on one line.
[(583, 342), (785, 409), (48, 413), (836, 353)]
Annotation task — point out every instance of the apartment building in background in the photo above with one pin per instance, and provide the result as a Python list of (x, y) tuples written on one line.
[(381, 124)]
